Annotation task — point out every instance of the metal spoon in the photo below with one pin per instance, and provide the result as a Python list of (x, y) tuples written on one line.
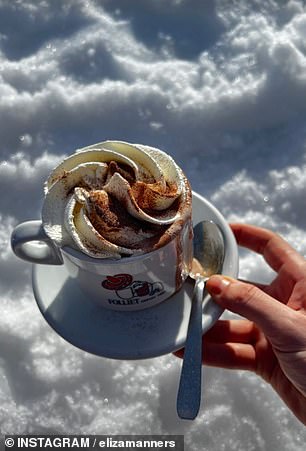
[(208, 256)]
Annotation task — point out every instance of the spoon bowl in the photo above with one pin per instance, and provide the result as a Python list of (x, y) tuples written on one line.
[(208, 250)]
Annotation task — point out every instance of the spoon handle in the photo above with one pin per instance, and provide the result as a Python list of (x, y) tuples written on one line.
[(189, 393)]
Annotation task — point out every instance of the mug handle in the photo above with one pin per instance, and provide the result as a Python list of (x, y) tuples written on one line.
[(30, 242)]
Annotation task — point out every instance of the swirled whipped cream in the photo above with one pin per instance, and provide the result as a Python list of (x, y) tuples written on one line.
[(115, 199)]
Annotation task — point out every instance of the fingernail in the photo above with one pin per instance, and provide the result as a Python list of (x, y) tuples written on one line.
[(216, 284)]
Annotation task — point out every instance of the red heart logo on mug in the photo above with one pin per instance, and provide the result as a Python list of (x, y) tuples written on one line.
[(117, 282)]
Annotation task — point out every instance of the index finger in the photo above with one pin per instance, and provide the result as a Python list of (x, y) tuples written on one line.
[(276, 251)]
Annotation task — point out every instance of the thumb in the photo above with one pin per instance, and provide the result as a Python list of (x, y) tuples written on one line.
[(274, 318)]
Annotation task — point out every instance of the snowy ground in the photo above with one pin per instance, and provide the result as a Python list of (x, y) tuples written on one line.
[(220, 85)]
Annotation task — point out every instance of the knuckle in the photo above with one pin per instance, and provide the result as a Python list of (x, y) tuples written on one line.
[(245, 293)]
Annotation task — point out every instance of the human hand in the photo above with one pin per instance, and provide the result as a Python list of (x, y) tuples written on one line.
[(272, 340)]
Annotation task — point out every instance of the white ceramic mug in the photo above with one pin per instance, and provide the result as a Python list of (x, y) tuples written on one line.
[(131, 283)]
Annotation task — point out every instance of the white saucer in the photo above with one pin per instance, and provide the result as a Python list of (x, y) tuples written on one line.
[(127, 335)]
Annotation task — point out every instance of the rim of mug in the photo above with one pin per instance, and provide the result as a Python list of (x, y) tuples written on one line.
[(115, 261)]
